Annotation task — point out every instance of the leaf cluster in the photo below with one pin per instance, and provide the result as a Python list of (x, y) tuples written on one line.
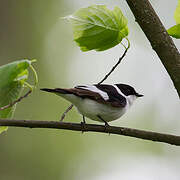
[(12, 82)]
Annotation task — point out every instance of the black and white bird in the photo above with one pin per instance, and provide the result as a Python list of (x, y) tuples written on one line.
[(99, 102)]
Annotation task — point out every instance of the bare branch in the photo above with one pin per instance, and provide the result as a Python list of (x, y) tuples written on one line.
[(147, 135), (114, 67), (66, 111), (157, 35), (16, 101)]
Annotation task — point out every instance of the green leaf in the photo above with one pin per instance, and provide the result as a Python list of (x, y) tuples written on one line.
[(12, 79), (177, 13), (3, 128), (98, 28), (174, 31)]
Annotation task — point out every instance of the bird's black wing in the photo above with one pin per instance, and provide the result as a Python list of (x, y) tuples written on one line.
[(115, 99)]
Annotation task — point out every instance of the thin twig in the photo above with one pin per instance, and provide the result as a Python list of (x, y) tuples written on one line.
[(141, 134), (114, 67), (16, 101), (67, 110)]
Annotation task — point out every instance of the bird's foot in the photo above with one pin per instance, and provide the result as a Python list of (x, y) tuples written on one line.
[(83, 125), (106, 124)]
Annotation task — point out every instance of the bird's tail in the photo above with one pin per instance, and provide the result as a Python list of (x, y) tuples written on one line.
[(56, 90)]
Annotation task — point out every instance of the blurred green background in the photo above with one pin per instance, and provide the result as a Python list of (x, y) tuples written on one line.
[(34, 29)]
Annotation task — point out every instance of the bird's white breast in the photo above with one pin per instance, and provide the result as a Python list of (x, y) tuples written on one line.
[(92, 109)]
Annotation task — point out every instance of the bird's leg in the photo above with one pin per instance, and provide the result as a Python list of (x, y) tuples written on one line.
[(84, 121), (83, 124), (67, 110), (106, 124)]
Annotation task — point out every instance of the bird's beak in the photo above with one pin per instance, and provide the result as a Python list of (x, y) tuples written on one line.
[(139, 95)]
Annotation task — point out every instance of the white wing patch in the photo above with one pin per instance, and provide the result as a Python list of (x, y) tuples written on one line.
[(103, 94), (119, 91), (130, 99)]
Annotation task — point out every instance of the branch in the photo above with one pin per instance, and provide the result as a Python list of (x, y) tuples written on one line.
[(66, 111), (147, 135), (160, 41), (16, 101), (114, 67)]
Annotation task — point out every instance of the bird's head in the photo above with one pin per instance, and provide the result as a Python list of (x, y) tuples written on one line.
[(128, 90)]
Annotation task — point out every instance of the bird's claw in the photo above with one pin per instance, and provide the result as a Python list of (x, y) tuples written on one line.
[(106, 126), (83, 127)]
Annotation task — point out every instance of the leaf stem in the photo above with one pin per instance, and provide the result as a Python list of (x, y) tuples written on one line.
[(35, 75), (120, 59)]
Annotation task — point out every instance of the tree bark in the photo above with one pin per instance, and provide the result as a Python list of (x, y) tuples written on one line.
[(147, 135), (157, 35)]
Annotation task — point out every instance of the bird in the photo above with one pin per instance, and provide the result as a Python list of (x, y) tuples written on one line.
[(99, 102)]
